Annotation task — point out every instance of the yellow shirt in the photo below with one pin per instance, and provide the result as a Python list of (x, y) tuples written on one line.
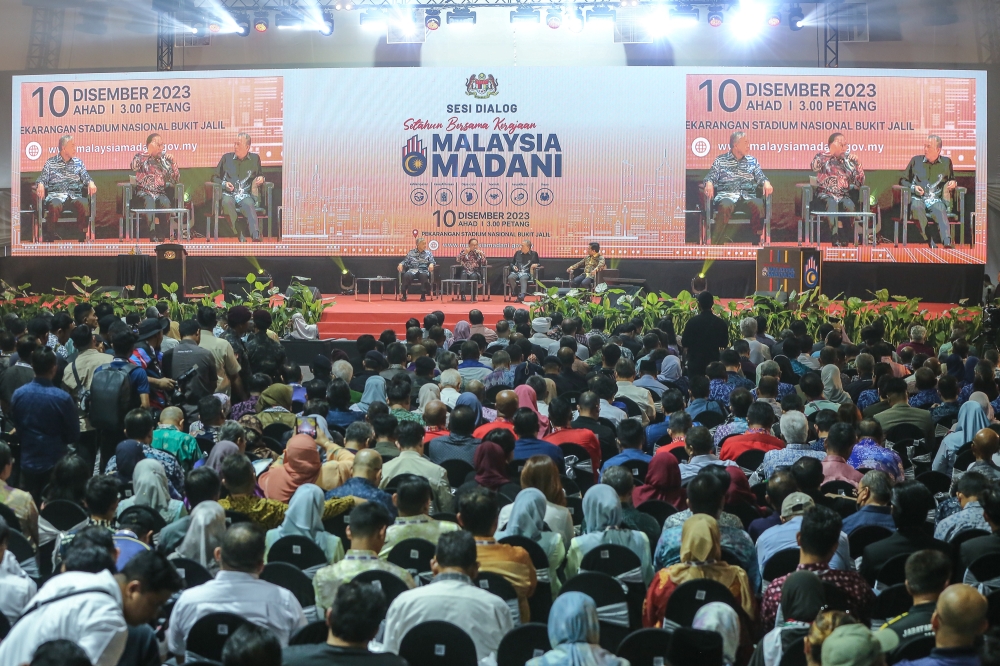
[(514, 564)]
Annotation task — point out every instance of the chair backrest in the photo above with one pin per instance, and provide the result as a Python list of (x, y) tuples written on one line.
[(631, 407), (610, 559), (751, 459), (570, 487), (277, 431), (571, 397), (864, 536), (297, 550), (964, 459), (63, 514), (191, 572), (4, 626), (844, 488), (457, 471), (658, 509), (490, 398), (338, 525), (638, 468), (891, 602), (986, 567), (233, 517), (936, 482), (314, 633), (893, 571), (680, 453), (605, 591), (10, 517), (18, 544), (781, 563), (523, 643), (965, 535), (746, 512), (710, 418), (575, 507), (646, 647), (438, 643), (760, 492), (514, 468), (915, 649), (447, 517), (692, 595), (496, 584), (414, 555), (391, 585), (537, 554), (795, 655), (292, 579), (570, 449), (904, 432), (209, 634)]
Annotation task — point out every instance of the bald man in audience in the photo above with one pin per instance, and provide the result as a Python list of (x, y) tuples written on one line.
[(507, 403), (958, 621), (366, 476), (435, 420), (985, 445)]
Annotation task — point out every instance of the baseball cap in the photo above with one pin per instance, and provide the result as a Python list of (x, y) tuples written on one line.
[(856, 645), (322, 363), (796, 504), (149, 327)]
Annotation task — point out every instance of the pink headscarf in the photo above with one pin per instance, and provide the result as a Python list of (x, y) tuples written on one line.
[(526, 397)]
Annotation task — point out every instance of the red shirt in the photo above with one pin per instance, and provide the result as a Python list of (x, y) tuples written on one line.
[(434, 432), (484, 429), (754, 439), (678, 443), (585, 438)]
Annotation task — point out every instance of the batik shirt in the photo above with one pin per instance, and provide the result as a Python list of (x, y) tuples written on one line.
[(969, 518), (944, 411), (737, 426), (869, 454), (737, 380), (471, 262), (415, 260), (591, 264), (415, 527), (60, 350), (725, 519), (836, 175), (783, 457), (860, 597), (501, 377), (719, 391), (328, 580), (62, 177), (735, 179), (264, 354), (925, 399), (733, 539), (181, 445), (867, 399), (153, 174), (783, 390), (175, 475)]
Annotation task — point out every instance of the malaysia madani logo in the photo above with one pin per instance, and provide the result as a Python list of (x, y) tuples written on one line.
[(481, 86), (414, 157), (810, 276)]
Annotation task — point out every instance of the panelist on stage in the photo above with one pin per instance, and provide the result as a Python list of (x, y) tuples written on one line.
[(154, 171), (931, 179), (239, 173), (523, 263), (837, 171), (593, 262), (732, 183), (61, 183), (418, 264), (473, 262)]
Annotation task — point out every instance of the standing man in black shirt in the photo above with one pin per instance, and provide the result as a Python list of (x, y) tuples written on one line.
[(185, 356), (239, 173), (705, 334)]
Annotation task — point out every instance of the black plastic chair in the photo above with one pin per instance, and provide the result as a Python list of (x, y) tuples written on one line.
[(710, 419), (4, 626), (277, 431), (509, 491), (234, 517), (391, 585), (299, 551), (191, 572), (490, 398), (751, 459), (638, 468), (448, 517), (891, 602), (523, 643), (632, 408), (760, 492), (915, 649), (570, 396), (993, 612), (438, 643), (865, 536), (646, 647), (604, 590), (684, 603), (963, 460), (658, 509), (781, 563), (292, 579), (457, 471), (615, 560), (18, 544), (570, 487), (680, 453), (795, 655), (514, 468), (63, 514), (540, 602), (414, 555), (209, 634), (495, 583), (745, 512), (314, 633), (575, 507), (583, 467), (904, 432), (338, 525), (936, 482), (985, 568), (893, 571), (842, 488)]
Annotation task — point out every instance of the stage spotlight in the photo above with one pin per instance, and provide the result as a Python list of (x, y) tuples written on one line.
[(525, 15), (346, 282), (215, 26), (774, 19), (461, 16), (748, 20), (374, 20), (432, 19), (600, 13), (796, 18), (326, 27), (288, 22), (260, 23), (243, 23), (574, 20), (684, 16), (554, 19), (715, 18)]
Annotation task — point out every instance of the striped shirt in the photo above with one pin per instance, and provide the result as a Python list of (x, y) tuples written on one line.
[(62, 177), (735, 178)]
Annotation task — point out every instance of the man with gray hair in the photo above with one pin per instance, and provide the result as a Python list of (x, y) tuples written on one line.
[(240, 175), (918, 342), (451, 386), (931, 180), (758, 352), (795, 432), (865, 365), (874, 503), (732, 182), (62, 183), (418, 264), (772, 369)]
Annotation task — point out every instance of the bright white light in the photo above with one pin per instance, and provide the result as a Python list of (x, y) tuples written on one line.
[(573, 20), (375, 26), (404, 22), (658, 23), (748, 20)]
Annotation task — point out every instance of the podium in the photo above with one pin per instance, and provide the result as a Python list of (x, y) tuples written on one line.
[(789, 269), (171, 266)]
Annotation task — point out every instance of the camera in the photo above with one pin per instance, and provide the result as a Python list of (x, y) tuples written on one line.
[(179, 389)]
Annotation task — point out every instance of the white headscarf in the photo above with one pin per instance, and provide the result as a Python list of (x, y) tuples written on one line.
[(149, 481), (204, 535), (304, 517), (723, 620), (303, 331)]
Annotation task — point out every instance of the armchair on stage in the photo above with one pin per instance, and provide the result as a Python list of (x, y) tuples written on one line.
[(740, 216), (435, 284), (482, 287), (537, 275), (600, 276), (955, 219), (265, 209), (866, 221), (130, 215), (68, 215)]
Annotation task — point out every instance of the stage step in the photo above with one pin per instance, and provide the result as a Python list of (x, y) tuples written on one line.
[(348, 318)]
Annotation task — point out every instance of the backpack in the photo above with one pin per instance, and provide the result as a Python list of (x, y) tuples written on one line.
[(82, 392), (110, 397)]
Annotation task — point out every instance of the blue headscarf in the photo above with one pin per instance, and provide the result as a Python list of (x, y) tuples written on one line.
[(374, 392), (601, 508), (527, 517), (971, 419), (470, 400), (574, 634)]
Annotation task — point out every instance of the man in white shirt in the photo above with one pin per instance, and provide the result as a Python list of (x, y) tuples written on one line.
[(93, 610), (625, 375), (452, 597), (16, 589), (451, 386), (236, 589), (701, 453), (758, 351)]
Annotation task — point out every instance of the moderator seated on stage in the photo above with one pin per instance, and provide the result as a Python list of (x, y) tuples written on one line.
[(732, 184)]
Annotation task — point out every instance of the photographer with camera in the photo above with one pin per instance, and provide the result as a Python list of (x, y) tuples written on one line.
[(192, 367)]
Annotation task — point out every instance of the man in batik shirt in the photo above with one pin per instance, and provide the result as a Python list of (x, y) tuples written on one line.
[(732, 183), (418, 264), (154, 171), (62, 183), (837, 171), (473, 263)]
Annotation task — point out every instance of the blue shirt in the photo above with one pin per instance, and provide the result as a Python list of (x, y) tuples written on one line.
[(136, 375), (960, 656), (869, 454), (525, 448), (655, 432), (760, 525), (46, 419), (867, 399), (364, 489), (719, 391), (343, 419), (737, 380), (128, 547), (782, 537), (924, 399), (699, 405), (624, 457), (870, 515), (782, 457)]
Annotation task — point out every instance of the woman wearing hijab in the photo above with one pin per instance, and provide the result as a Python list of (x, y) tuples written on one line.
[(275, 406), (374, 392), (305, 518), (802, 597), (220, 452), (149, 483), (602, 513), (739, 489), (575, 635), (300, 465), (701, 557), (526, 397), (833, 387), (723, 620), (670, 369), (542, 474), (204, 535), (527, 519), (428, 392), (490, 463), (972, 418), (471, 401), (663, 483), (463, 331)]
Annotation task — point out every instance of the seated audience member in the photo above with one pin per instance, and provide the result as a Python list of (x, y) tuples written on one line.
[(354, 618), (139, 434), (305, 518), (623, 483), (757, 437), (784, 536), (706, 494), (856, 645), (662, 484), (874, 508), (669, 436), (251, 644), (258, 384), (16, 588), (700, 401), (60, 652), (528, 444), (900, 412), (135, 534), (149, 481), (18, 501), (700, 557), (367, 475), (795, 431), (811, 385), (624, 376), (94, 610), (631, 437), (169, 436), (452, 597), (398, 395), (767, 393), (958, 621), (839, 445), (985, 445), (200, 485), (822, 422), (338, 398), (602, 515), (491, 462), (870, 452), (413, 501), (588, 409), (967, 492), (359, 436), (458, 443), (563, 432), (779, 486), (739, 403), (527, 520), (575, 633), (700, 448), (802, 600), (977, 547), (384, 424), (541, 473), (477, 514), (451, 385), (366, 532), (411, 460), (947, 409), (927, 575), (506, 407), (927, 395), (819, 540), (239, 479), (972, 417)]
